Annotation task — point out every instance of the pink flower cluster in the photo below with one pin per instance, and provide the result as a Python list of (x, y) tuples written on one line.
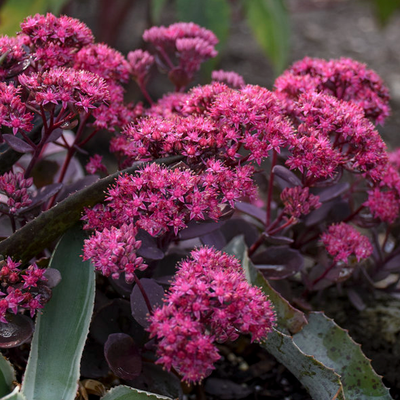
[(188, 42), (332, 135), (344, 79), (95, 164), (212, 120), (113, 251), (298, 201), (84, 90), (343, 240), (13, 113), (55, 40), (20, 288), (14, 55), (231, 78), (15, 188), (209, 301)]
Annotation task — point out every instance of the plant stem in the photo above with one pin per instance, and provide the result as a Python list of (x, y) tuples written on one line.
[(322, 276), (144, 294), (270, 188)]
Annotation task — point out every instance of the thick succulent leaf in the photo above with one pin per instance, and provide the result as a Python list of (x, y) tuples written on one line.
[(17, 331), (332, 345), (270, 24), (288, 177), (157, 380), (321, 382), (148, 249), (115, 317), (155, 294), (123, 356), (127, 393), (39, 233), (289, 318), (251, 209), (198, 228), (332, 191), (321, 355), (7, 376), (53, 366), (14, 395), (17, 144), (279, 262)]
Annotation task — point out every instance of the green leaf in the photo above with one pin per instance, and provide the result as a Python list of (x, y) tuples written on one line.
[(7, 376), (128, 393), (214, 15), (269, 22), (320, 381), (332, 345), (15, 395), (39, 233), (289, 319), (55, 6), (156, 10), (385, 9), (13, 12), (60, 334)]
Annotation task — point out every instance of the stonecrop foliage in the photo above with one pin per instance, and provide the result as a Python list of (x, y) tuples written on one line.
[(300, 171)]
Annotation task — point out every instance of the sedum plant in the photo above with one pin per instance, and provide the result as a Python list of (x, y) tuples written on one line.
[(164, 230)]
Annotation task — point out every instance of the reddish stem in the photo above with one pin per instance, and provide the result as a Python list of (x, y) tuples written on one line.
[(270, 188), (144, 294), (322, 276)]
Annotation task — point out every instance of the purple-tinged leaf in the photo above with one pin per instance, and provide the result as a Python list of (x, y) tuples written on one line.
[(319, 215), (252, 210), (5, 227), (215, 239), (393, 264), (155, 379), (238, 226), (288, 177), (164, 280), (93, 363), (54, 135), (116, 317), (155, 294), (123, 356), (332, 192), (42, 195), (17, 331), (121, 286), (196, 229), (18, 67), (226, 389), (17, 144), (278, 262), (277, 240), (78, 185), (69, 124), (53, 277), (356, 299), (148, 249)]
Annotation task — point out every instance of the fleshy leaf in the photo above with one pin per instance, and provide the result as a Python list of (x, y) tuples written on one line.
[(251, 209), (17, 144), (14, 395), (332, 345), (196, 229), (52, 371), (332, 191), (7, 376), (278, 262), (17, 331), (270, 24), (128, 393), (148, 249), (123, 356), (155, 294), (287, 176)]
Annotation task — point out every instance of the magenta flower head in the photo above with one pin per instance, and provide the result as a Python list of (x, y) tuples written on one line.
[(343, 240), (232, 79), (345, 79), (209, 301), (298, 201)]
